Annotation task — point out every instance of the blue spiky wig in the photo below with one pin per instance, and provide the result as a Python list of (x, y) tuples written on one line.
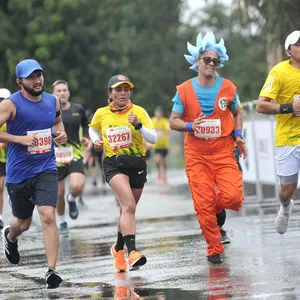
[(208, 42)]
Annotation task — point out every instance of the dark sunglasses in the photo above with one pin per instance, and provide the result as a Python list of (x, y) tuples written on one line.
[(207, 60)]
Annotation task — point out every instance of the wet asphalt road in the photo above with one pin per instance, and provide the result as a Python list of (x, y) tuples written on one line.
[(258, 264)]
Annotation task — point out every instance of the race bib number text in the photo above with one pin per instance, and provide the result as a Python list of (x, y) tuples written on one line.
[(43, 143), (210, 129), (64, 155), (119, 137)]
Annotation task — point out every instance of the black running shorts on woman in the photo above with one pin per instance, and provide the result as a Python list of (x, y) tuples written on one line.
[(133, 166)]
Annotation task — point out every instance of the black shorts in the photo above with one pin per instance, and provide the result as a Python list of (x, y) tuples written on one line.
[(76, 166), (137, 177), (2, 169), (96, 153), (97, 156), (162, 152), (40, 190)]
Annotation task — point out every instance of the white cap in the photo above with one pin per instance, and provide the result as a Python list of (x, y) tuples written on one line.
[(292, 38), (4, 93)]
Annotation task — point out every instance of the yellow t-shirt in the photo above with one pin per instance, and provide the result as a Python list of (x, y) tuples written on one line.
[(283, 85), (3, 146), (162, 129), (119, 136)]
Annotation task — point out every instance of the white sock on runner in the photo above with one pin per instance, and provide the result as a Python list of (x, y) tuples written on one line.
[(287, 209), (61, 218)]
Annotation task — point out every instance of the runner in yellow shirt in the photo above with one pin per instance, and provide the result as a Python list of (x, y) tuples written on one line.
[(283, 86), (161, 147), (4, 93), (121, 128)]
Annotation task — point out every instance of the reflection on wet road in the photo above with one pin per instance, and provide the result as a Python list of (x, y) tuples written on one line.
[(258, 264)]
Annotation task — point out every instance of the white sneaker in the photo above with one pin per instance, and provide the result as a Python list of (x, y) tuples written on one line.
[(282, 219)]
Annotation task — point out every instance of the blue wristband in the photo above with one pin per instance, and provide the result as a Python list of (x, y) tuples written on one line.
[(188, 126), (238, 132)]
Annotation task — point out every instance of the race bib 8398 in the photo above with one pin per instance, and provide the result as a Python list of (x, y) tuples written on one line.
[(43, 143)]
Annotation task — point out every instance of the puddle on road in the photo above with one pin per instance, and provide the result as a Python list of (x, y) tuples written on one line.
[(126, 288)]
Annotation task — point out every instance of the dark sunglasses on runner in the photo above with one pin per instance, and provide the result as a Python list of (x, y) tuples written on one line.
[(207, 60)]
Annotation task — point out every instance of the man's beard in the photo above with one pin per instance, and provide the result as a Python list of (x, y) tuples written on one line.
[(209, 76), (32, 92)]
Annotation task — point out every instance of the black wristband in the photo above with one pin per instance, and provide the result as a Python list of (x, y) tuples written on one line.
[(286, 108), (58, 113), (138, 126)]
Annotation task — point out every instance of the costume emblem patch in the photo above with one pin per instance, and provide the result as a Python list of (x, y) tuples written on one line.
[(223, 103)]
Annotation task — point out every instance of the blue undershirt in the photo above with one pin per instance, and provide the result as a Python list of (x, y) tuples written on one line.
[(206, 96)]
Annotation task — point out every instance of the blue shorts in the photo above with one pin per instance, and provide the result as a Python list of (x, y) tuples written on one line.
[(40, 190)]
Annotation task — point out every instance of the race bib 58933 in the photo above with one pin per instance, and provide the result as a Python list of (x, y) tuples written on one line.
[(209, 129)]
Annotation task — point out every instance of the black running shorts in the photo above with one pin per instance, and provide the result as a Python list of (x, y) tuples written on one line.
[(137, 177), (76, 166), (40, 190), (162, 152)]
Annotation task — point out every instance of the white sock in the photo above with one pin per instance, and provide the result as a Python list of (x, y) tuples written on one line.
[(287, 209), (61, 218), (1, 217), (71, 198)]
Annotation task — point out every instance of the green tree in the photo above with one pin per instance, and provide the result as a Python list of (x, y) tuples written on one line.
[(277, 18), (87, 42)]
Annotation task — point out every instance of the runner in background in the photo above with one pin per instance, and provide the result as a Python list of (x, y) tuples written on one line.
[(161, 147), (148, 155), (4, 93), (93, 160), (69, 157)]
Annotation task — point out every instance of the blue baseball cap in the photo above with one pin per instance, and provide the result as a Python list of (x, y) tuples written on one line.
[(26, 67)]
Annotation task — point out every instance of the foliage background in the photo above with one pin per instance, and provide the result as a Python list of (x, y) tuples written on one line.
[(87, 42)]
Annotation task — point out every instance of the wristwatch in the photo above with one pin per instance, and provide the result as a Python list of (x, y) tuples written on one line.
[(239, 136), (138, 126)]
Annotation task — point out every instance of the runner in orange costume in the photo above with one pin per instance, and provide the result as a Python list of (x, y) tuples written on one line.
[(206, 108)]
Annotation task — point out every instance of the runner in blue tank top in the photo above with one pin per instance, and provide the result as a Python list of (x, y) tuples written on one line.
[(33, 120)]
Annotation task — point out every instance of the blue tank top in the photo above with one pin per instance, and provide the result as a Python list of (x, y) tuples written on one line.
[(21, 164)]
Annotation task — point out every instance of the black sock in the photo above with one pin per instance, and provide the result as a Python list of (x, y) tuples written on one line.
[(221, 218), (130, 242), (120, 242)]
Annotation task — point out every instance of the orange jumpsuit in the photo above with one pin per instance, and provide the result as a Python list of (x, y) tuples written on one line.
[(210, 162)]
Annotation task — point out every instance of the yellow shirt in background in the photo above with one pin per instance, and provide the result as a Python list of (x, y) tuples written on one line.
[(283, 85), (162, 128), (3, 146), (119, 136)]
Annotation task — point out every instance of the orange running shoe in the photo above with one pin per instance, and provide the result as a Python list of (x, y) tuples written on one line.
[(158, 175), (121, 292), (119, 259), (136, 259)]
